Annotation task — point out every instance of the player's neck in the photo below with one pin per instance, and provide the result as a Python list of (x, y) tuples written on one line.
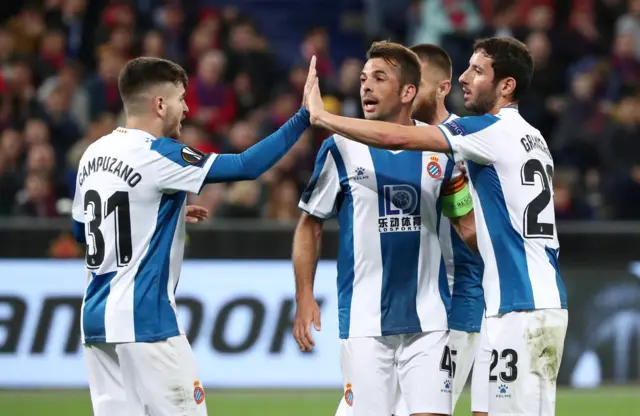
[(404, 118), (144, 124), (502, 103), (440, 115)]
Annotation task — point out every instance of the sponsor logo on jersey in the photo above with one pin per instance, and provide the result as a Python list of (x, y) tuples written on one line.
[(455, 128), (434, 170), (348, 395), (191, 155), (198, 392), (360, 174), (400, 210)]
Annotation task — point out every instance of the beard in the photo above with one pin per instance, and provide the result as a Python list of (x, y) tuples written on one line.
[(426, 110), (172, 129), (484, 102)]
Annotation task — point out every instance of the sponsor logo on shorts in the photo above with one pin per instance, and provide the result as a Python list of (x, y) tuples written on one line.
[(348, 395), (198, 392), (447, 386), (503, 392)]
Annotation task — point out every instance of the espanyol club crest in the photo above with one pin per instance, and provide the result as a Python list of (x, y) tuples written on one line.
[(348, 395), (434, 170), (198, 393)]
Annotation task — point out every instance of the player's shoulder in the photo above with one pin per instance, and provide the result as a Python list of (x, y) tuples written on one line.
[(173, 150), (338, 143), (464, 126)]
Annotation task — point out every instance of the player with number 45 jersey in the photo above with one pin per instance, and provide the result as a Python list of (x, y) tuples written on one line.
[(511, 173)]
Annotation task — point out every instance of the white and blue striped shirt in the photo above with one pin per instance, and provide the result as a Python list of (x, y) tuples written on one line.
[(392, 278), (511, 172)]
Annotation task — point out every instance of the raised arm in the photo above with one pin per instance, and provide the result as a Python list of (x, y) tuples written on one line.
[(377, 133), (384, 135), (259, 158)]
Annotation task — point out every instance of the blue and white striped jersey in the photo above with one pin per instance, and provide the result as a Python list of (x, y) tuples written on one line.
[(464, 269), (511, 171), (131, 194), (392, 278)]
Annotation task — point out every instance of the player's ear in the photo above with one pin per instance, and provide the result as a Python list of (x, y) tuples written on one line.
[(409, 92), (507, 87), (444, 88), (160, 107)]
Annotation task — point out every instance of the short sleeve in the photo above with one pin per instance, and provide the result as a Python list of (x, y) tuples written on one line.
[(319, 198), (77, 209), (179, 167), (472, 138)]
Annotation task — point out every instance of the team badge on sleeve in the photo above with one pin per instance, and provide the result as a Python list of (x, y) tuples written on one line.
[(191, 155), (455, 128), (198, 392)]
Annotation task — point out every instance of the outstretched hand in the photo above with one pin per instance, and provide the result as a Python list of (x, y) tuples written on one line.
[(195, 213), (311, 78), (312, 99)]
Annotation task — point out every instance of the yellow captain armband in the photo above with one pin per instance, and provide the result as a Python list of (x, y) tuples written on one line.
[(456, 199)]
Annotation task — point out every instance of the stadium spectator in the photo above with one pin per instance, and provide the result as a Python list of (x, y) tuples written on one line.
[(630, 23), (577, 134), (245, 55), (27, 29), (282, 202), (56, 112), (170, 19), (542, 101), (11, 148), (316, 42), (36, 131), (246, 97), (20, 92), (348, 87), (622, 159), (152, 44), (625, 68), (241, 201), (58, 80), (568, 203), (102, 87), (51, 56), (69, 79), (211, 101)]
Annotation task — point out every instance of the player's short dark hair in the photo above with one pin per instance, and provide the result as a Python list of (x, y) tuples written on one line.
[(142, 73), (435, 56), (407, 62), (510, 58)]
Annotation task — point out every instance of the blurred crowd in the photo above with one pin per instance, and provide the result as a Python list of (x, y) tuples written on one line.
[(59, 62)]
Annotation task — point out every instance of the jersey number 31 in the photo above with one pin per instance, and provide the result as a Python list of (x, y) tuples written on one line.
[(118, 205), (531, 227)]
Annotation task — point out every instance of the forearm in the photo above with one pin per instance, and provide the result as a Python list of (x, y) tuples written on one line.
[(259, 158), (465, 226), (385, 135), (306, 252)]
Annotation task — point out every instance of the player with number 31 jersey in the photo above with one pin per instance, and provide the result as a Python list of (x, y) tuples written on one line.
[(129, 208)]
